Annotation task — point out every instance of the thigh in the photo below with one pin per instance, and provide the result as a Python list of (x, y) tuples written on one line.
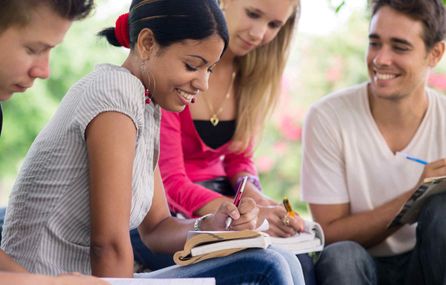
[(391, 270), (253, 266), (345, 263)]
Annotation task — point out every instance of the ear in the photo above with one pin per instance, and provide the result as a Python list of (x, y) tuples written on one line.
[(146, 43), (436, 53), (223, 4)]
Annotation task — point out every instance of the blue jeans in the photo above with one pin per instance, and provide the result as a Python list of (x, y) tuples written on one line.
[(257, 266), (347, 262), (2, 220), (252, 266), (155, 261)]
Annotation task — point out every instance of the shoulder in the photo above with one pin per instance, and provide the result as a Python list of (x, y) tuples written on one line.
[(437, 97), (115, 79), (340, 104), (108, 88)]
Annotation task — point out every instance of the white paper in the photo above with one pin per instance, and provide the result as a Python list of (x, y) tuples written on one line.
[(154, 281)]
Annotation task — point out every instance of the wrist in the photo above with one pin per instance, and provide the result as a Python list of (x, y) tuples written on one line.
[(254, 180), (198, 224)]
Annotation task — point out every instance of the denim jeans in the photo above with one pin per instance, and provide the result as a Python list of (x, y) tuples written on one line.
[(257, 266), (2, 220), (154, 261), (347, 262), (252, 266)]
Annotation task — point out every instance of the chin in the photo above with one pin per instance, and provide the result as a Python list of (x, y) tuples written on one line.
[(5, 95), (176, 108)]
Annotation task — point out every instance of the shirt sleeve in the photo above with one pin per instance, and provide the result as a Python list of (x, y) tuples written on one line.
[(111, 92), (237, 162), (323, 168), (182, 194)]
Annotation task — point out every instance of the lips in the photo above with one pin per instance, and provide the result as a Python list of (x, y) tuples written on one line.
[(247, 44), (20, 87), (186, 96)]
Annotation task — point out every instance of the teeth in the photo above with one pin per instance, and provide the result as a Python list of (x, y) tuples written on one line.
[(384, 76), (185, 95)]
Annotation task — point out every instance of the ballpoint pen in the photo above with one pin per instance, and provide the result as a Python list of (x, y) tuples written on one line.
[(238, 196), (412, 158)]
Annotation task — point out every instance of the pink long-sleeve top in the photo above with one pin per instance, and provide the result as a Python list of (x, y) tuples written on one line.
[(185, 159)]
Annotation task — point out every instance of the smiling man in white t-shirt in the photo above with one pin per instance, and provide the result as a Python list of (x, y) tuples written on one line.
[(351, 176)]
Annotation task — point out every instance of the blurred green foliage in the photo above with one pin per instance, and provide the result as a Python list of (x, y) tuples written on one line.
[(26, 114)]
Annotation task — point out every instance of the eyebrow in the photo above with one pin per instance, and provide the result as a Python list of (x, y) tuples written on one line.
[(393, 40), (199, 57)]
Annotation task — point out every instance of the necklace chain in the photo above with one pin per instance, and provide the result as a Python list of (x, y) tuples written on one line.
[(214, 120)]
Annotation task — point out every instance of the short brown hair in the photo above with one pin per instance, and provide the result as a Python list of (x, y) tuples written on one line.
[(431, 13), (18, 12)]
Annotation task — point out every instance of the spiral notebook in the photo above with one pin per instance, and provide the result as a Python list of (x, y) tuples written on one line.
[(409, 212)]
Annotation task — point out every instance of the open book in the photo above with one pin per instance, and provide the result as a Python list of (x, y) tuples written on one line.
[(409, 212), (210, 244)]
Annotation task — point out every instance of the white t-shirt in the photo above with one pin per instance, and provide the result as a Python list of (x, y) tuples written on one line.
[(347, 160)]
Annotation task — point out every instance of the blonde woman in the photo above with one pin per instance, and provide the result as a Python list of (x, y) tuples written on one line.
[(207, 148)]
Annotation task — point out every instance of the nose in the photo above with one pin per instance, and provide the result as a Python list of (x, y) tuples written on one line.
[(257, 31), (382, 57), (41, 67), (201, 83)]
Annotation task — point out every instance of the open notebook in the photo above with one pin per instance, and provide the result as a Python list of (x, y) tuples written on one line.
[(409, 212), (210, 244)]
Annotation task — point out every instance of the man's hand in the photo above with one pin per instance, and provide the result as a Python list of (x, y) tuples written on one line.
[(433, 169)]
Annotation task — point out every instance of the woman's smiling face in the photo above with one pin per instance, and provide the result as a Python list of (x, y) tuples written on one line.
[(176, 74), (253, 23)]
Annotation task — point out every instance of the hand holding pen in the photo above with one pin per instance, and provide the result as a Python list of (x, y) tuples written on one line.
[(237, 198), (289, 210), (290, 213), (431, 169)]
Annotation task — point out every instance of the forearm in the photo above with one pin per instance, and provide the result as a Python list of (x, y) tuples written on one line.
[(261, 199), (35, 279), (8, 264), (211, 207), (112, 260), (25, 279), (173, 232), (367, 228)]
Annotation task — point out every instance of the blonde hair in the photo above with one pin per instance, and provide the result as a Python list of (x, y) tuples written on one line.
[(257, 83)]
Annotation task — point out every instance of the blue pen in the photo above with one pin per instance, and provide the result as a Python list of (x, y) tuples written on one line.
[(411, 157)]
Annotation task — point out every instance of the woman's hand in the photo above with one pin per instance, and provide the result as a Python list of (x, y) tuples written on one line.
[(281, 224), (244, 217)]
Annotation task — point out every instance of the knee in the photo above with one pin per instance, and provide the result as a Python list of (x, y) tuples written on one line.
[(338, 257), (275, 260)]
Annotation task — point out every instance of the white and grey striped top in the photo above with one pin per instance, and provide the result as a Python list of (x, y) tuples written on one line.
[(47, 227)]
